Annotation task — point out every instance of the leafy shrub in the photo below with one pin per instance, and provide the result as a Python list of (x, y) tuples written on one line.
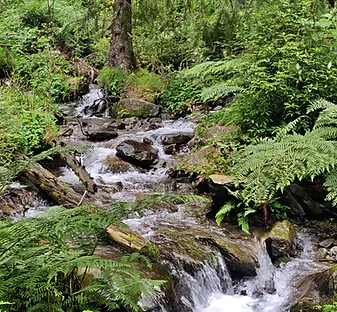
[(274, 164), (288, 66), (101, 52), (46, 74), (327, 307), (34, 14), (286, 63), (25, 120), (6, 62), (112, 79), (180, 94)]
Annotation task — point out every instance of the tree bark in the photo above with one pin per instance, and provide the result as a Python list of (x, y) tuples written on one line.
[(121, 49), (54, 187)]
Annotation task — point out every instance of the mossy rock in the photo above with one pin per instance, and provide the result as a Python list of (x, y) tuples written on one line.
[(185, 247), (240, 257), (280, 240), (239, 254), (135, 108)]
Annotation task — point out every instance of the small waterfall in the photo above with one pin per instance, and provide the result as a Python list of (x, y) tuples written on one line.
[(271, 290), (210, 280)]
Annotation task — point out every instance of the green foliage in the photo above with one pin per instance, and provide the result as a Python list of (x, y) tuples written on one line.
[(45, 73), (6, 62), (288, 66), (112, 79), (25, 121), (223, 212), (145, 83), (100, 53), (284, 63), (274, 164), (208, 82), (327, 307), (217, 151), (180, 94), (241, 216), (65, 274), (173, 34)]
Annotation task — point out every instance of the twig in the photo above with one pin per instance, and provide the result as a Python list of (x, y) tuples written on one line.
[(85, 193)]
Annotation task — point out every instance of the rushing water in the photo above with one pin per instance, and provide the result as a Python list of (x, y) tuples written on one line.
[(210, 287)]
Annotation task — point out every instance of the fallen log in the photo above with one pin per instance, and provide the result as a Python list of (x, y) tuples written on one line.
[(54, 187), (132, 241)]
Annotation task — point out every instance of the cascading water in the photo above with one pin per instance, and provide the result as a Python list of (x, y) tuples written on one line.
[(208, 287)]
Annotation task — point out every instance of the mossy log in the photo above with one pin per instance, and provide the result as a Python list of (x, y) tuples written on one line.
[(132, 241), (126, 238), (54, 187)]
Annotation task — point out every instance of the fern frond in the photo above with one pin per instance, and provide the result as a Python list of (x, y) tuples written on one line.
[(219, 68), (223, 212), (220, 90)]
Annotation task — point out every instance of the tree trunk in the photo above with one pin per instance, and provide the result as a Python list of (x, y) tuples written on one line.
[(121, 49)]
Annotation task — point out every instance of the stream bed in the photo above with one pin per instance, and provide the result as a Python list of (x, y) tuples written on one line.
[(194, 248)]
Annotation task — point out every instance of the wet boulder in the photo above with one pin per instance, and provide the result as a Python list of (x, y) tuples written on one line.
[(217, 186), (239, 253), (116, 125), (176, 138), (280, 240), (319, 286), (135, 108), (140, 154), (198, 209), (102, 135), (321, 254), (116, 165), (171, 149)]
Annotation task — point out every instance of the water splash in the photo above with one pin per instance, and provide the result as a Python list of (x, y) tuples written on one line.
[(272, 288)]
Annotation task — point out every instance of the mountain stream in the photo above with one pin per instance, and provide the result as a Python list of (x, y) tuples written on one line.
[(203, 282)]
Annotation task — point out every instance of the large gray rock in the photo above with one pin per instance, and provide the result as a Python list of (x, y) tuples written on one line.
[(138, 153), (177, 138), (135, 108), (280, 239)]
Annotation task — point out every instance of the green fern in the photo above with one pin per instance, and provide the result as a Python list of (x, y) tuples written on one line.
[(218, 91), (222, 69), (223, 212), (45, 263), (274, 164)]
